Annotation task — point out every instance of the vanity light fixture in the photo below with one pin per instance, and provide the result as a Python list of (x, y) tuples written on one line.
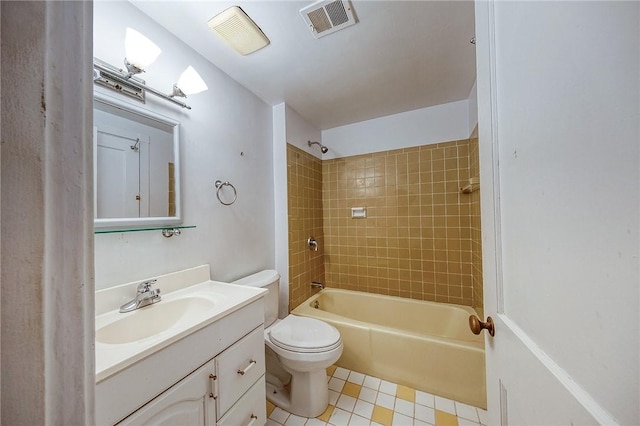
[(189, 83), (140, 53)]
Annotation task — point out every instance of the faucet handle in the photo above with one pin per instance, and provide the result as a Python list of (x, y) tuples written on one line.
[(145, 286)]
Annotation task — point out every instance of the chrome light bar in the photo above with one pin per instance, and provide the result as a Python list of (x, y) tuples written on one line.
[(113, 78)]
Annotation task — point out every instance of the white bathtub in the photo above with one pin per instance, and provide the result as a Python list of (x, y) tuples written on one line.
[(424, 345)]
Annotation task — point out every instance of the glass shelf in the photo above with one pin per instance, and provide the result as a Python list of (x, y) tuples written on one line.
[(151, 228)]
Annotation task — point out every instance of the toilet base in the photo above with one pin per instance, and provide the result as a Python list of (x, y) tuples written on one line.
[(311, 396)]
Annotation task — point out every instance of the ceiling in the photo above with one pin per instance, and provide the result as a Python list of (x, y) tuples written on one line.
[(400, 56)]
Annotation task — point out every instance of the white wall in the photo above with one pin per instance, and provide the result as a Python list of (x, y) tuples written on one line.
[(473, 108), (300, 132), (227, 136), (280, 203), (440, 123)]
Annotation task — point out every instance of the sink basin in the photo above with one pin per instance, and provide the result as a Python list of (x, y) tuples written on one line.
[(190, 302), (153, 319)]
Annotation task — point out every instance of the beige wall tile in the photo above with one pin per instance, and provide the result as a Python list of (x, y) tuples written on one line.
[(421, 238), (417, 239), (305, 186)]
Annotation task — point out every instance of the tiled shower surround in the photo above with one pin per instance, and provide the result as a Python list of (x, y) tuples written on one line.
[(421, 236), (476, 236), (304, 186)]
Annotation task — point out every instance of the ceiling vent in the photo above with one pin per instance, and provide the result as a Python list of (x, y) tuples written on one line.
[(328, 16)]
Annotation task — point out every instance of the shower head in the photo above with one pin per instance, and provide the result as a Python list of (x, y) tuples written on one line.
[(323, 148)]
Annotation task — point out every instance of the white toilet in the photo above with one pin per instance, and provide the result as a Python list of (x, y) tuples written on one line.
[(298, 351)]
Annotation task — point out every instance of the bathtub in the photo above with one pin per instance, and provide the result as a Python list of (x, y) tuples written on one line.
[(423, 345)]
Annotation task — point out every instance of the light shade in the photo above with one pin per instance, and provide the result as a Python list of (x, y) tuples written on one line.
[(190, 82), (139, 50)]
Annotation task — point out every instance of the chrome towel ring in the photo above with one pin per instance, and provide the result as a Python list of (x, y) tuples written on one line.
[(219, 184)]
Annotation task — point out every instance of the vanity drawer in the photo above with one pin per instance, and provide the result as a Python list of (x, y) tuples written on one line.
[(238, 367), (251, 409)]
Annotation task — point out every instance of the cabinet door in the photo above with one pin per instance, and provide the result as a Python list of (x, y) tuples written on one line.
[(185, 403)]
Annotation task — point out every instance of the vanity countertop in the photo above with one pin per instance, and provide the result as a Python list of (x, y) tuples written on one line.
[(190, 302)]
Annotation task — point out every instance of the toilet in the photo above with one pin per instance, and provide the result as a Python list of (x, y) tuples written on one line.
[(298, 352)]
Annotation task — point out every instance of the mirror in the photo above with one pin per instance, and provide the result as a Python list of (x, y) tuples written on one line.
[(136, 170)]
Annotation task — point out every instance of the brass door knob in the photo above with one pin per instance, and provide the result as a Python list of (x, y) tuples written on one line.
[(477, 326)]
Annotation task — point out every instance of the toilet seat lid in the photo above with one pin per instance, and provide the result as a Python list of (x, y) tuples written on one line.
[(301, 334)]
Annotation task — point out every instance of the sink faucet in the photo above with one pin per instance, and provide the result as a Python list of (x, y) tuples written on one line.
[(146, 296)]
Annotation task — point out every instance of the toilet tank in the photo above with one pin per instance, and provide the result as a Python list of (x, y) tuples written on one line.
[(270, 280)]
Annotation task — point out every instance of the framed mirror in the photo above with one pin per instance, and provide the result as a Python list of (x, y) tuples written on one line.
[(136, 172)]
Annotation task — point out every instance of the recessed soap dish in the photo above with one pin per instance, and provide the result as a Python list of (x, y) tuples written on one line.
[(358, 212)]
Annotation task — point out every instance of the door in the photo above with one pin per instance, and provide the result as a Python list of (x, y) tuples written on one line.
[(118, 173), (558, 112)]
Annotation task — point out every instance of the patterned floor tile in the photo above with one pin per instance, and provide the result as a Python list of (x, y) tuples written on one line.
[(339, 417), (446, 405), (327, 414), (351, 389), (382, 415), (406, 393), (356, 399), (445, 419), (467, 412)]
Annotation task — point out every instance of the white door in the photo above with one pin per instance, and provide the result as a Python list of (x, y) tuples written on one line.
[(558, 111), (118, 173)]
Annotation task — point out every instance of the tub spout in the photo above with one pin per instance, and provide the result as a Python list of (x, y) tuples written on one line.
[(316, 284)]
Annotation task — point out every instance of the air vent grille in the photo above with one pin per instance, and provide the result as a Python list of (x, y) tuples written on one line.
[(328, 16), (337, 13), (319, 20)]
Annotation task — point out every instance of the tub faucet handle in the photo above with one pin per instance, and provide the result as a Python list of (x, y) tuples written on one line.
[(312, 243)]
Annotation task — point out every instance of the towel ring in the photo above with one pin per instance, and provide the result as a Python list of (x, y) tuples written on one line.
[(219, 184)]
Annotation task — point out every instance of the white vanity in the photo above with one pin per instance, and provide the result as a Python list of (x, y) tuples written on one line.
[(194, 358)]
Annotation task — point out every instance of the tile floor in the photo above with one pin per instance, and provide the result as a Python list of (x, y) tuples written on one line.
[(356, 399)]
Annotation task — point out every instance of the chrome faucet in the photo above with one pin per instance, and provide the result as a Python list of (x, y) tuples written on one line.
[(316, 284), (146, 296)]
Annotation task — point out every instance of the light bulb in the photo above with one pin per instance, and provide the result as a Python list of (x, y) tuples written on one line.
[(190, 82), (139, 50)]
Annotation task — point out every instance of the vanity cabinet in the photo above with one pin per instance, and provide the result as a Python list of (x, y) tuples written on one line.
[(228, 390), (180, 384)]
